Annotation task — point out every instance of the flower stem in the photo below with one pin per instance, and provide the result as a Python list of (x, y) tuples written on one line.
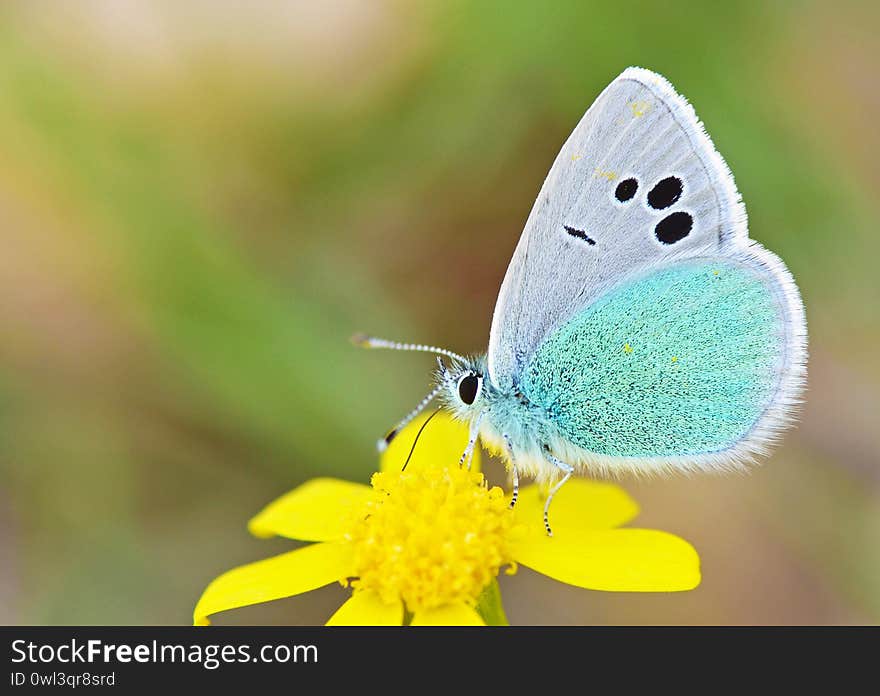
[(489, 606)]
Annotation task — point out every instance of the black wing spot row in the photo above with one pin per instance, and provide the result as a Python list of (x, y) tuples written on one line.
[(580, 234)]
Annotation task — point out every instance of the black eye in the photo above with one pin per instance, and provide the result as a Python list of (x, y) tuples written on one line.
[(468, 386), (674, 227), (626, 189), (665, 193)]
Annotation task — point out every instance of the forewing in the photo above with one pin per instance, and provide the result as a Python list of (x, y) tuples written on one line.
[(586, 232)]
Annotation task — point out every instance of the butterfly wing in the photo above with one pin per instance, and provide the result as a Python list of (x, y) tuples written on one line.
[(637, 183), (694, 365)]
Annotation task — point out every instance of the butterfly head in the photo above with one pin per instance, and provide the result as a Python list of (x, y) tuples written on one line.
[(464, 388)]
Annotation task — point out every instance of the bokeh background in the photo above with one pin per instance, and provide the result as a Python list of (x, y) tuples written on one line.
[(201, 201)]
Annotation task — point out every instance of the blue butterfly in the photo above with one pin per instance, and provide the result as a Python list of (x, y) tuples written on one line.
[(638, 328)]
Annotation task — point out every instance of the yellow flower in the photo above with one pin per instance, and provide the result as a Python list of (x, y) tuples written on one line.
[(422, 545)]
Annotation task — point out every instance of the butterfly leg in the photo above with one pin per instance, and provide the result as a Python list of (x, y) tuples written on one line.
[(568, 471), (513, 471), (468, 453)]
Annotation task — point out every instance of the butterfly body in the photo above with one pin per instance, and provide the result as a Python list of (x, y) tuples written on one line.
[(509, 423), (638, 327)]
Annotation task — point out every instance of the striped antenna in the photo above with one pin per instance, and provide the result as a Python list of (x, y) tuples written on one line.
[(382, 444), (365, 341)]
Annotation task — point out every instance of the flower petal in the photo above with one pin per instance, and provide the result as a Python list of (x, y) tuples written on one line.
[(459, 614), (441, 444), (579, 504), (318, 510), (367, 609), (289, 574), (615, 560)]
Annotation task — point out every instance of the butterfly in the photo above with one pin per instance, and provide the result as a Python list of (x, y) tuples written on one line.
[(638, 328)]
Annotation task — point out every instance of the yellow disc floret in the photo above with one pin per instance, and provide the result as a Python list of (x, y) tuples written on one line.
[(431, 537)]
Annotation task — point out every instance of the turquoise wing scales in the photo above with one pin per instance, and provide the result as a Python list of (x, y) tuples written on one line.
[(690, 361)]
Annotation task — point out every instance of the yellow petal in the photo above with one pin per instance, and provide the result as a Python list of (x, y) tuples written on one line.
[(459, 614), (579, 504), (367, 609), (615, 560), (289, 574), (441, 444), (319, 510)]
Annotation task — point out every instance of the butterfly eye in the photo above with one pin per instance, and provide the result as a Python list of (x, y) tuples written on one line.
[(626, 189), (468, 388), (665, 192)]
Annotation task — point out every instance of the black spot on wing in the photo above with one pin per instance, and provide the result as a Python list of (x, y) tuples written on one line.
[(665, 192), (626, 189), (580, 234), (674, 227)]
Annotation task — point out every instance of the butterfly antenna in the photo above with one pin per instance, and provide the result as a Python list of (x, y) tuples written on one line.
[(365, 341), (382, 445), (416, 441)]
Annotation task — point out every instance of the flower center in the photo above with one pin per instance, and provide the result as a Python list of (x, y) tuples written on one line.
[(431, 537)]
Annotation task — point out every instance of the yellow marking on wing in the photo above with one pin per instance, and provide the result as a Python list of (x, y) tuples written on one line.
[(640, 107), (606, 174), (715, 272), (627, 348), (575, 157), (675, 358)]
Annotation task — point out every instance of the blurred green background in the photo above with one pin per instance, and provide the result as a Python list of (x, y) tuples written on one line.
[(201, 201)]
